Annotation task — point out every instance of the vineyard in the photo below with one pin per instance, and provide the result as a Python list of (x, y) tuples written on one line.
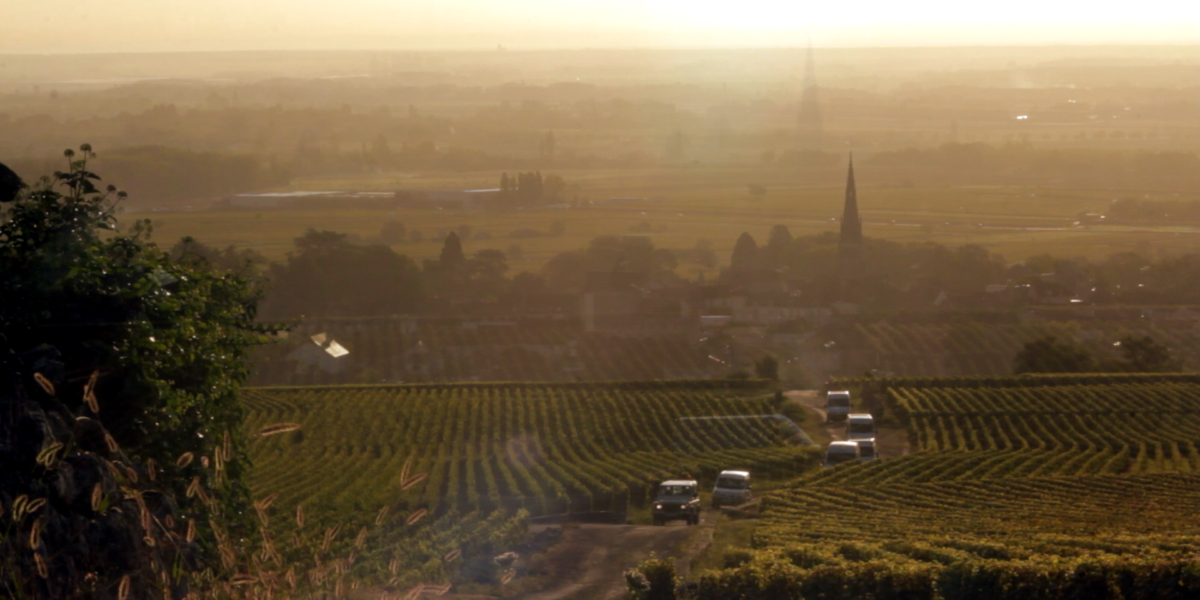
[(1038, 487), (441, 458), (396, 350), (546, 449)]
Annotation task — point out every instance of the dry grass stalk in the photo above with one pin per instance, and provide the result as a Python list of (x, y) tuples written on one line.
[(45, 383), (414, 480), (362, 537), (330, 533), (191, 531), (151, 469), (184, 459), (48, 454), (381, 516), (300, 516), (452, 555), (43, 572), (111, 443), (415, 516), (32, 506), (18, 506), (193, 488), (266, 503), (89, 393), (508, 576), (277, 428), (437, 590), (204, 461), (123, 588), (35, 534)]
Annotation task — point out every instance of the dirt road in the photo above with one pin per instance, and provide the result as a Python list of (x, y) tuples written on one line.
[(890, 441), (590, 559)]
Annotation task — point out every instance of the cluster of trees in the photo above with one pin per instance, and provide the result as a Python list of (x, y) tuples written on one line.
[(891, 275), (1051, 355), (531, 188), (896, 275)]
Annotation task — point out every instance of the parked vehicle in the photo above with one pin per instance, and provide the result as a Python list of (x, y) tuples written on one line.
[(677, 499), (732, 488), (860, 427), (839, 452), (837, 405), (866, 450)]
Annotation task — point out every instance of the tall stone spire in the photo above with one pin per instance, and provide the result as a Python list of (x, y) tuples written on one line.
[(850, 243), (810, 129)]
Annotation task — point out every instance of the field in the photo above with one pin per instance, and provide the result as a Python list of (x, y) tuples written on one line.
[(1018, 488), (676, 207)]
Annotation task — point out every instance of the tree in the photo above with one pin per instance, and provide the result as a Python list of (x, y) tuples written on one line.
[(452, 253), (1144, 355), (767, 368), (1048, 355), (329, 276), (127, 342), (778, 242), (745, 254)]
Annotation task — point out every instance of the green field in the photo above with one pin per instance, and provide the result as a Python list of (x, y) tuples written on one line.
[(1018, 488)]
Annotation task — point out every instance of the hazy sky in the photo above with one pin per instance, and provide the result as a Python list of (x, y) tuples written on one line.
[(51, 26)]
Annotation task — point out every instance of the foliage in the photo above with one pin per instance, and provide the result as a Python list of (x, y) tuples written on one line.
[(79, 517), (767, 368), (653, 579), (330, 276), (1048, 355), (567, 271), (1144, 355), (155, 348)]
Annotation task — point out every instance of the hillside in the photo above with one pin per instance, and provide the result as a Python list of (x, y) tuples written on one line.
[(1034, 487)]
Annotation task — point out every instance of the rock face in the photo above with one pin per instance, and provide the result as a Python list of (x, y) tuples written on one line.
[(80, 519)]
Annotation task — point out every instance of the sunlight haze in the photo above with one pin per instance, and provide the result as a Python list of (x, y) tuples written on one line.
[(57, 26)]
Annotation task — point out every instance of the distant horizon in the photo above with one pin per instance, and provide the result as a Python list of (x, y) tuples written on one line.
[(599, 48)]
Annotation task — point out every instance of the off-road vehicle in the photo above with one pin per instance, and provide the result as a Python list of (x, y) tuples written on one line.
[(677, 499)]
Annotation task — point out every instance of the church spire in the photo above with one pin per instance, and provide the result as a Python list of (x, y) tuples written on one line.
[(850, 244), (851, 225), (809, 122)]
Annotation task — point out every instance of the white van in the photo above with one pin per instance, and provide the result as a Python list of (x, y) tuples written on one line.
[(860, 427), (837, 405), (732, 488), (840, 452)]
